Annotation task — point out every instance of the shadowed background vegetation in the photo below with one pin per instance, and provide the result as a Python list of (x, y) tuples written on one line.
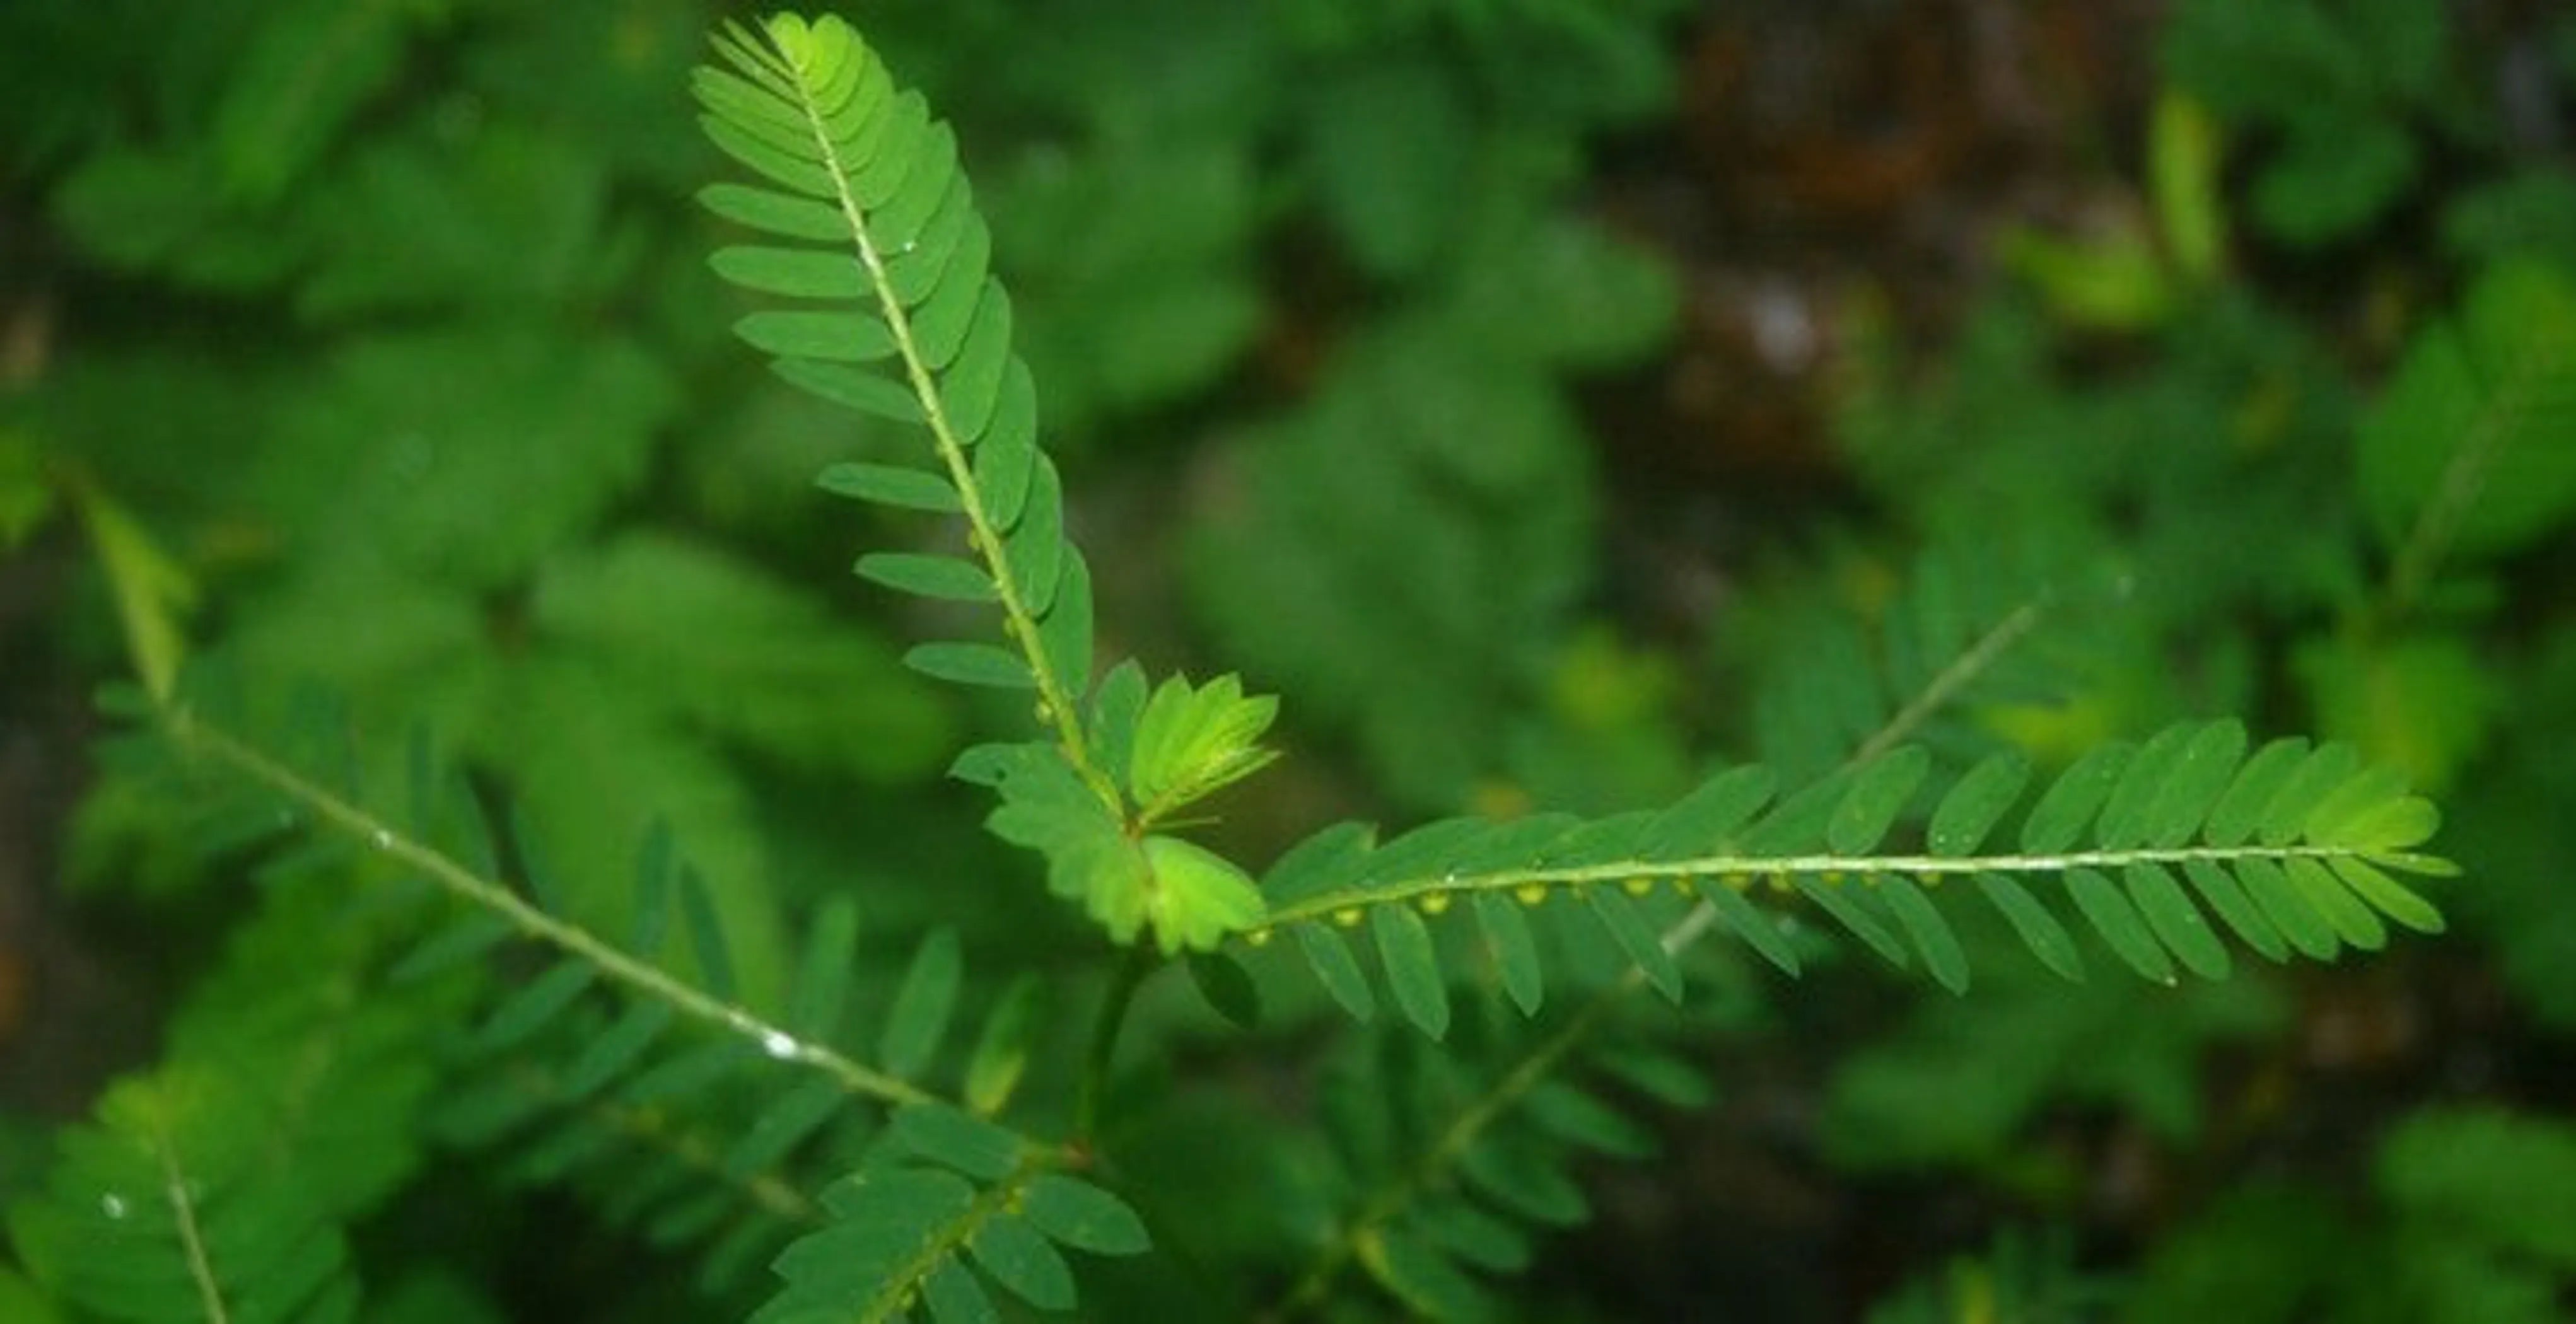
[(1547, 398)]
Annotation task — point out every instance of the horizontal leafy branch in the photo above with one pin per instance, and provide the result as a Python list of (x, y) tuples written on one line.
[(2293, 849), (1424, 1234)]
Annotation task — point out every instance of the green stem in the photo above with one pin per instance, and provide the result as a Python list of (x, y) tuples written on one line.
[(1432, 888), (192, 1240), (1121, 995), (897, 1292), (1957, 676)]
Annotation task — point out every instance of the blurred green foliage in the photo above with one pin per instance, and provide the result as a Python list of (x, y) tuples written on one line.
[(382, 360)]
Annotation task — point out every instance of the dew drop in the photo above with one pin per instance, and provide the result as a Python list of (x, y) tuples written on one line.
[(779, 1044), (384, 839), (112, 1204)]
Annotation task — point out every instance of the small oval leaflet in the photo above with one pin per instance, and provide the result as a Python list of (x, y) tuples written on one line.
[(1412, 968), (2058, 820), (1878, 793), (2117, 921), (1976, 802), (923, 575), (891, 485)]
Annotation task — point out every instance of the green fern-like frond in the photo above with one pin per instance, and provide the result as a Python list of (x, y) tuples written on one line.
[(163, 1209), (945, 1203), (875, 235), (2464, 455), (1451, 1164), (604, 1069), (668, 1152), (2293, 849), (501, 912), (650, 1118), (1976, 623), (215, 1185)]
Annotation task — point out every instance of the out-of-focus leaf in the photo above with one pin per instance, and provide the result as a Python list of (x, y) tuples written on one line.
[(387, 449), (152, 591), (720, 645), (25, 497), (2466, 453), (2426, 704), (495, 216), (313, 65), (1401, 554)]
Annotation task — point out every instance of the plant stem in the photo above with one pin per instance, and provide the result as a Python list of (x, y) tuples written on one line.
[(1114, 1003)]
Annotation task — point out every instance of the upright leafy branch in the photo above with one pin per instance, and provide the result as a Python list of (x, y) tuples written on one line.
[(902, 276), (888, 263)]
